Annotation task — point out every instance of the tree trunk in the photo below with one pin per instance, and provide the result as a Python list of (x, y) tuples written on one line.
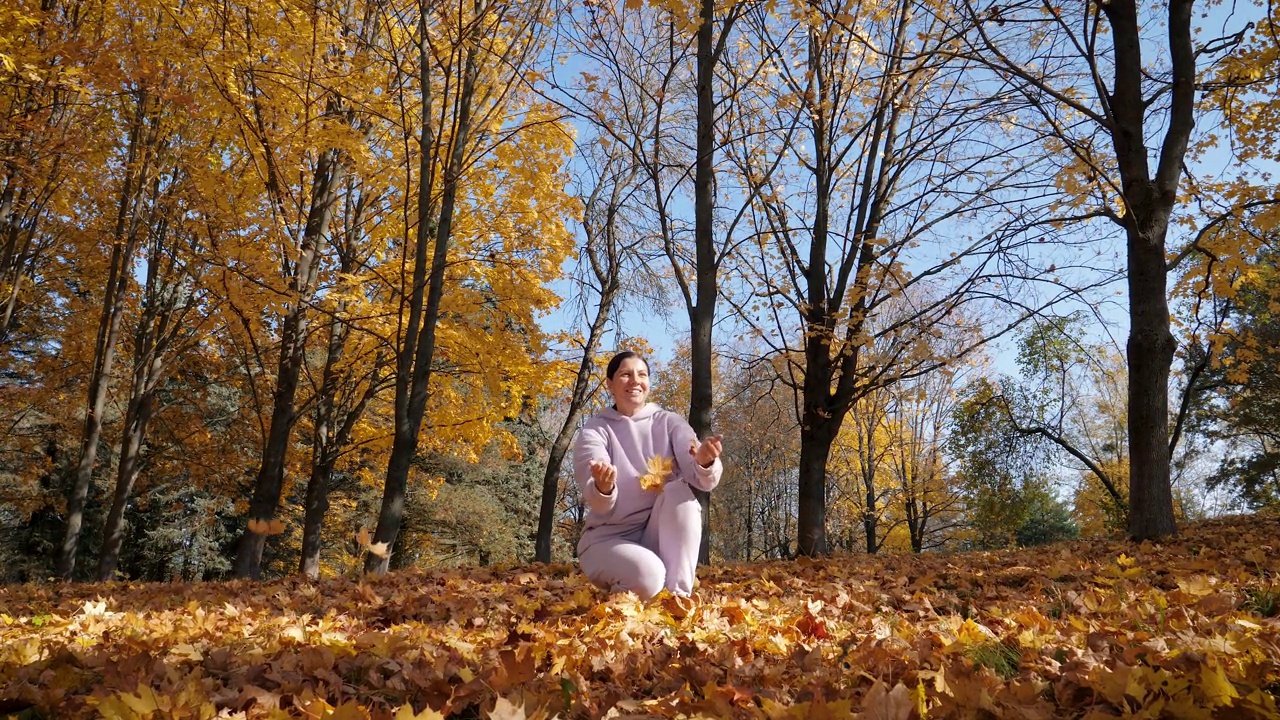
[(703, 312), (137, 417), (314, 509), (293, 340), (915, 526), (1150, 352), (560, 448), (125, 241), (323, 454), (413, 365), (869, 523), (99, 382), (1149, 204), (269, 481), (816, 437)]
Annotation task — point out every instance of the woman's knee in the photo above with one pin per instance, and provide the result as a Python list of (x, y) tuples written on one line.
[(650, 580), (644, 576), (679, 493), (625, 567), (680, 503)]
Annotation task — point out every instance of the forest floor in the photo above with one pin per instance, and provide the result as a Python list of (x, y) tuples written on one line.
[(1089, 629)]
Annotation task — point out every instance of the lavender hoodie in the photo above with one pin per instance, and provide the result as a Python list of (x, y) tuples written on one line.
[(628, 442)]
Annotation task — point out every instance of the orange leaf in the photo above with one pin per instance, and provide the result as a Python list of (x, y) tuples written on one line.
[(266, 527)]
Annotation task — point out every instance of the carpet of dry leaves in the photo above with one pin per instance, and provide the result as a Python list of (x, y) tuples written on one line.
[(1090, 629)]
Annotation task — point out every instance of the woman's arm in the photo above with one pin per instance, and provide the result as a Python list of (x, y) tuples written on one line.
[(683, 443), (591, 446)]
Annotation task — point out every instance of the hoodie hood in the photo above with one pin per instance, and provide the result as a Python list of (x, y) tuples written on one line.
[(649, 410)]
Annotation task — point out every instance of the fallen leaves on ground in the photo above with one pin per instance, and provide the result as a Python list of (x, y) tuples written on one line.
[(1091, 629)]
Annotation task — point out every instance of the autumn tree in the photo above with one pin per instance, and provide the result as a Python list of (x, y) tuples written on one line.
[(869, 154), (999, 470), (1226, 284), (615, 255), (607, 267), (859, 487), (50, 53), (488, 224), (1124, 113), (354, 371), (171, 319), (316, 131), (136, 211), (1060, 410), (666, 64), (890, 479), (1235, 395), (928, 501)]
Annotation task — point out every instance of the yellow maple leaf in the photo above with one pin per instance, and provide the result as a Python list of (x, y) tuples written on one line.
[(1215, 686), (142, 704), (659, 467)]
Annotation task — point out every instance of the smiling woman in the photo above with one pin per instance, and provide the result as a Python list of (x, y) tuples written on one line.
[(637, 464)]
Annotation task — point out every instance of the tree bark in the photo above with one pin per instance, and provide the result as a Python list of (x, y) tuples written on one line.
[(315, 506), (1149, 202), (137, 417), (1150, 351), (417, 350), (560, 448), (702, 313), (816, 438), (293, 340), (125, 239), (324, 455)]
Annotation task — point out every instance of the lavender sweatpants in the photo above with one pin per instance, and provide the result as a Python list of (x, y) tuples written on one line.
[(662, 553)]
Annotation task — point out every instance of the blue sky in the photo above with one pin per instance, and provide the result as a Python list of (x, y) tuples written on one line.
[(666, 333)]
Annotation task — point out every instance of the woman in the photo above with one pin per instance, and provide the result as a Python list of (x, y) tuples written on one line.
[(636, 463)]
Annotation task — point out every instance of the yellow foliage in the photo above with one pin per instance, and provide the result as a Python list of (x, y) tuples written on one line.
[(658, 470)]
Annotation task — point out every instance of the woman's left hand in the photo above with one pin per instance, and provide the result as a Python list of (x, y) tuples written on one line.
[(706, 452)]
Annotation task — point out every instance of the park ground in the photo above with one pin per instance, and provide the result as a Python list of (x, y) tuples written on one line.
[(1186, 628)]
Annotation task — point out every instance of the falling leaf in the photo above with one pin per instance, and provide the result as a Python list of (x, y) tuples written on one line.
[(659, 469), (377, 549), (266, 527)]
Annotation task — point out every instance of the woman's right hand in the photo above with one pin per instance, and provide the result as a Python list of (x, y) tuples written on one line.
[(605, 476)]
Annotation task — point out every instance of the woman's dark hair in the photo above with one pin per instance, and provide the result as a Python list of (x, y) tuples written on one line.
[(616, 362)]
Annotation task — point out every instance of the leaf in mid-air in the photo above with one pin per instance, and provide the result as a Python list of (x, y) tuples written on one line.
[(659, 469), (378, 549), (266, 527)]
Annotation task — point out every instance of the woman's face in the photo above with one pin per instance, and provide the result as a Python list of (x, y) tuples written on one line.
[(629, 386)]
